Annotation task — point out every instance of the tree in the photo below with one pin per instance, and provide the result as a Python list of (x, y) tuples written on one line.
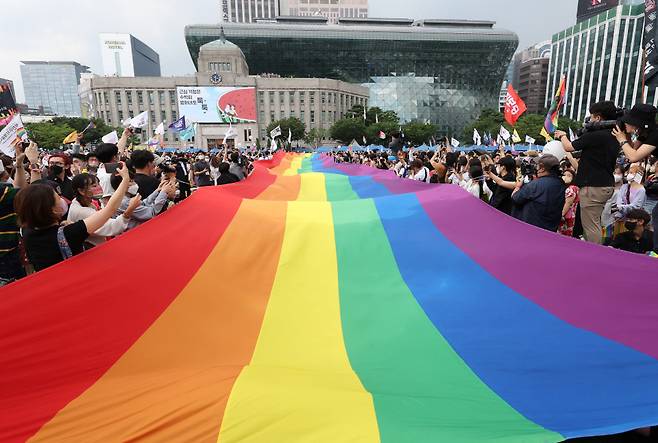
[(295, 125), (418, 133), (373, 115), (387, 127), (347, 129), (47, 135), (315, 136)]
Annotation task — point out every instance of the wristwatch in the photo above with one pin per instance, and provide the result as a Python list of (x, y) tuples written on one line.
[(621, 144)]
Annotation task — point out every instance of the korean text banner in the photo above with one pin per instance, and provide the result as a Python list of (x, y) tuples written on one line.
[(217, 104)]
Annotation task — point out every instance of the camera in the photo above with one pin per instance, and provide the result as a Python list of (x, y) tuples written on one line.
[(590, 126), (528, 168)]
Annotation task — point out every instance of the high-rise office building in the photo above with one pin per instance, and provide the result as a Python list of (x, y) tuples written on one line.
[(331, 9), (248, 11), (601, 58), (530, 75), (126, 56), (53, 86)]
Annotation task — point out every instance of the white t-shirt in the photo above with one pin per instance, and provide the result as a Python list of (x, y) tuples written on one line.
[(104, 179), (112, 227), (423, 175)]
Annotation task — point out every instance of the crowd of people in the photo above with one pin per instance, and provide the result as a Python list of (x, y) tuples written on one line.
[(602, 189), (54, 205)]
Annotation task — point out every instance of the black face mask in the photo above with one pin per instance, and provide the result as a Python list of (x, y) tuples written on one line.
[(56, 170), (630, 226)]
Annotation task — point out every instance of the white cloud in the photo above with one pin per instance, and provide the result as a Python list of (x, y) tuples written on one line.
[(68, 29)]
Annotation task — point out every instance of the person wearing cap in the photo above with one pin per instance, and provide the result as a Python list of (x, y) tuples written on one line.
[(540, 202), (595, 176), (640, 122)]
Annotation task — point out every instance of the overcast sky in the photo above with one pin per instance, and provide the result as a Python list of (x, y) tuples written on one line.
[(68, 29)]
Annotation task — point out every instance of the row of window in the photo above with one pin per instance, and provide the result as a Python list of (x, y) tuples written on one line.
[(102, 97), (330, 98)]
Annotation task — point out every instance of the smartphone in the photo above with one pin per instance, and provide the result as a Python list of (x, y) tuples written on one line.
[(111, 168), (137, 130), (25, 145)]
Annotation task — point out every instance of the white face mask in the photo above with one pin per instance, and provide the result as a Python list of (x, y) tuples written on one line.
[(133, 189), (618, 178)]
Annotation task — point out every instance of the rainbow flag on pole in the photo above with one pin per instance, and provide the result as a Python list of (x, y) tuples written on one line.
[(551, 123), (323, 302)]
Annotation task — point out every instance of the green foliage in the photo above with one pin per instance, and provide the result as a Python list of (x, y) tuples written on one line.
[(491, 120), (373, 115), (296, 126), (372, 132), (348, 129), (315, 136), (51, 134), (418, 133)]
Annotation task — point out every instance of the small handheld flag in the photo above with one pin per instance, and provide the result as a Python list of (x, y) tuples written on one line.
[(546, 135), (276, 132), (515, 137), (551, 123), (112, 138), (178, 125), (454, 142), (514, 106), (71, 138)]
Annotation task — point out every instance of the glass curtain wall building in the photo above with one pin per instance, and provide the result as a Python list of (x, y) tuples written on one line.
[(440, 71), (53, 86), (602, 60)]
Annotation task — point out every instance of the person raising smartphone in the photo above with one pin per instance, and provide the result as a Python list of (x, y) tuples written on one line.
[(39, 210), (640, 123)]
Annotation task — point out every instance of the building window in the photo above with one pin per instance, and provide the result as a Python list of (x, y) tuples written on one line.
[(151, 97), (174, 115), (120, 116), (172, 97), (163, 116), (140, 98), (219, 66), (117, 97), (129, 97), (312, 116), (161, 97)]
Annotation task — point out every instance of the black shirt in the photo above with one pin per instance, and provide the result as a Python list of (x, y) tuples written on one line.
[(598, 159), (202, 179), (627, 242), (42, 246), (540, 202), (66, 186), (227, 178), (147, 184), (502, 197)]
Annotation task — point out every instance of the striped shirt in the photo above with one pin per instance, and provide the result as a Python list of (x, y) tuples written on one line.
[(8, 222)]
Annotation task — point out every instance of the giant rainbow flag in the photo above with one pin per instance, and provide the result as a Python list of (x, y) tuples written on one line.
[(319, 302)]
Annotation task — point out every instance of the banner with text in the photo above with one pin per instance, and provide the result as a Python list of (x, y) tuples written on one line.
[(217, 104), (650, 51)]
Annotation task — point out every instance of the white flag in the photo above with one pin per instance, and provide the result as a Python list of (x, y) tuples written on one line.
[(160, 130), (273, 146), (276, 132), (230, 133), (477, 140), (572, 136), (529, 139), (504, 133), (126, 122), (140, 121), (289, 136), (112, 138), (454, 142), (10, 134)]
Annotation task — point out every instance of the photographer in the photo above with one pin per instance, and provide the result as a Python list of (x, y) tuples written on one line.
[(595, 168), (641, 122), (541, 201)]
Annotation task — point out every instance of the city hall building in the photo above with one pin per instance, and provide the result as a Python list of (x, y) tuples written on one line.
[(439, 71), (220, 96)]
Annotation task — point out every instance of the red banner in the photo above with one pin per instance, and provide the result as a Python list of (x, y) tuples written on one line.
[(514, 106)]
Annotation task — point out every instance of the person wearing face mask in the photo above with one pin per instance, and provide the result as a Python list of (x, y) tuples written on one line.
[(607, 217), (147, 208), (39, 210), (82, 207), (541, 201), (201, 170), (57, 172), (637, 238), (504, 184), (595, 169), (632, 195), (571, 201)]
